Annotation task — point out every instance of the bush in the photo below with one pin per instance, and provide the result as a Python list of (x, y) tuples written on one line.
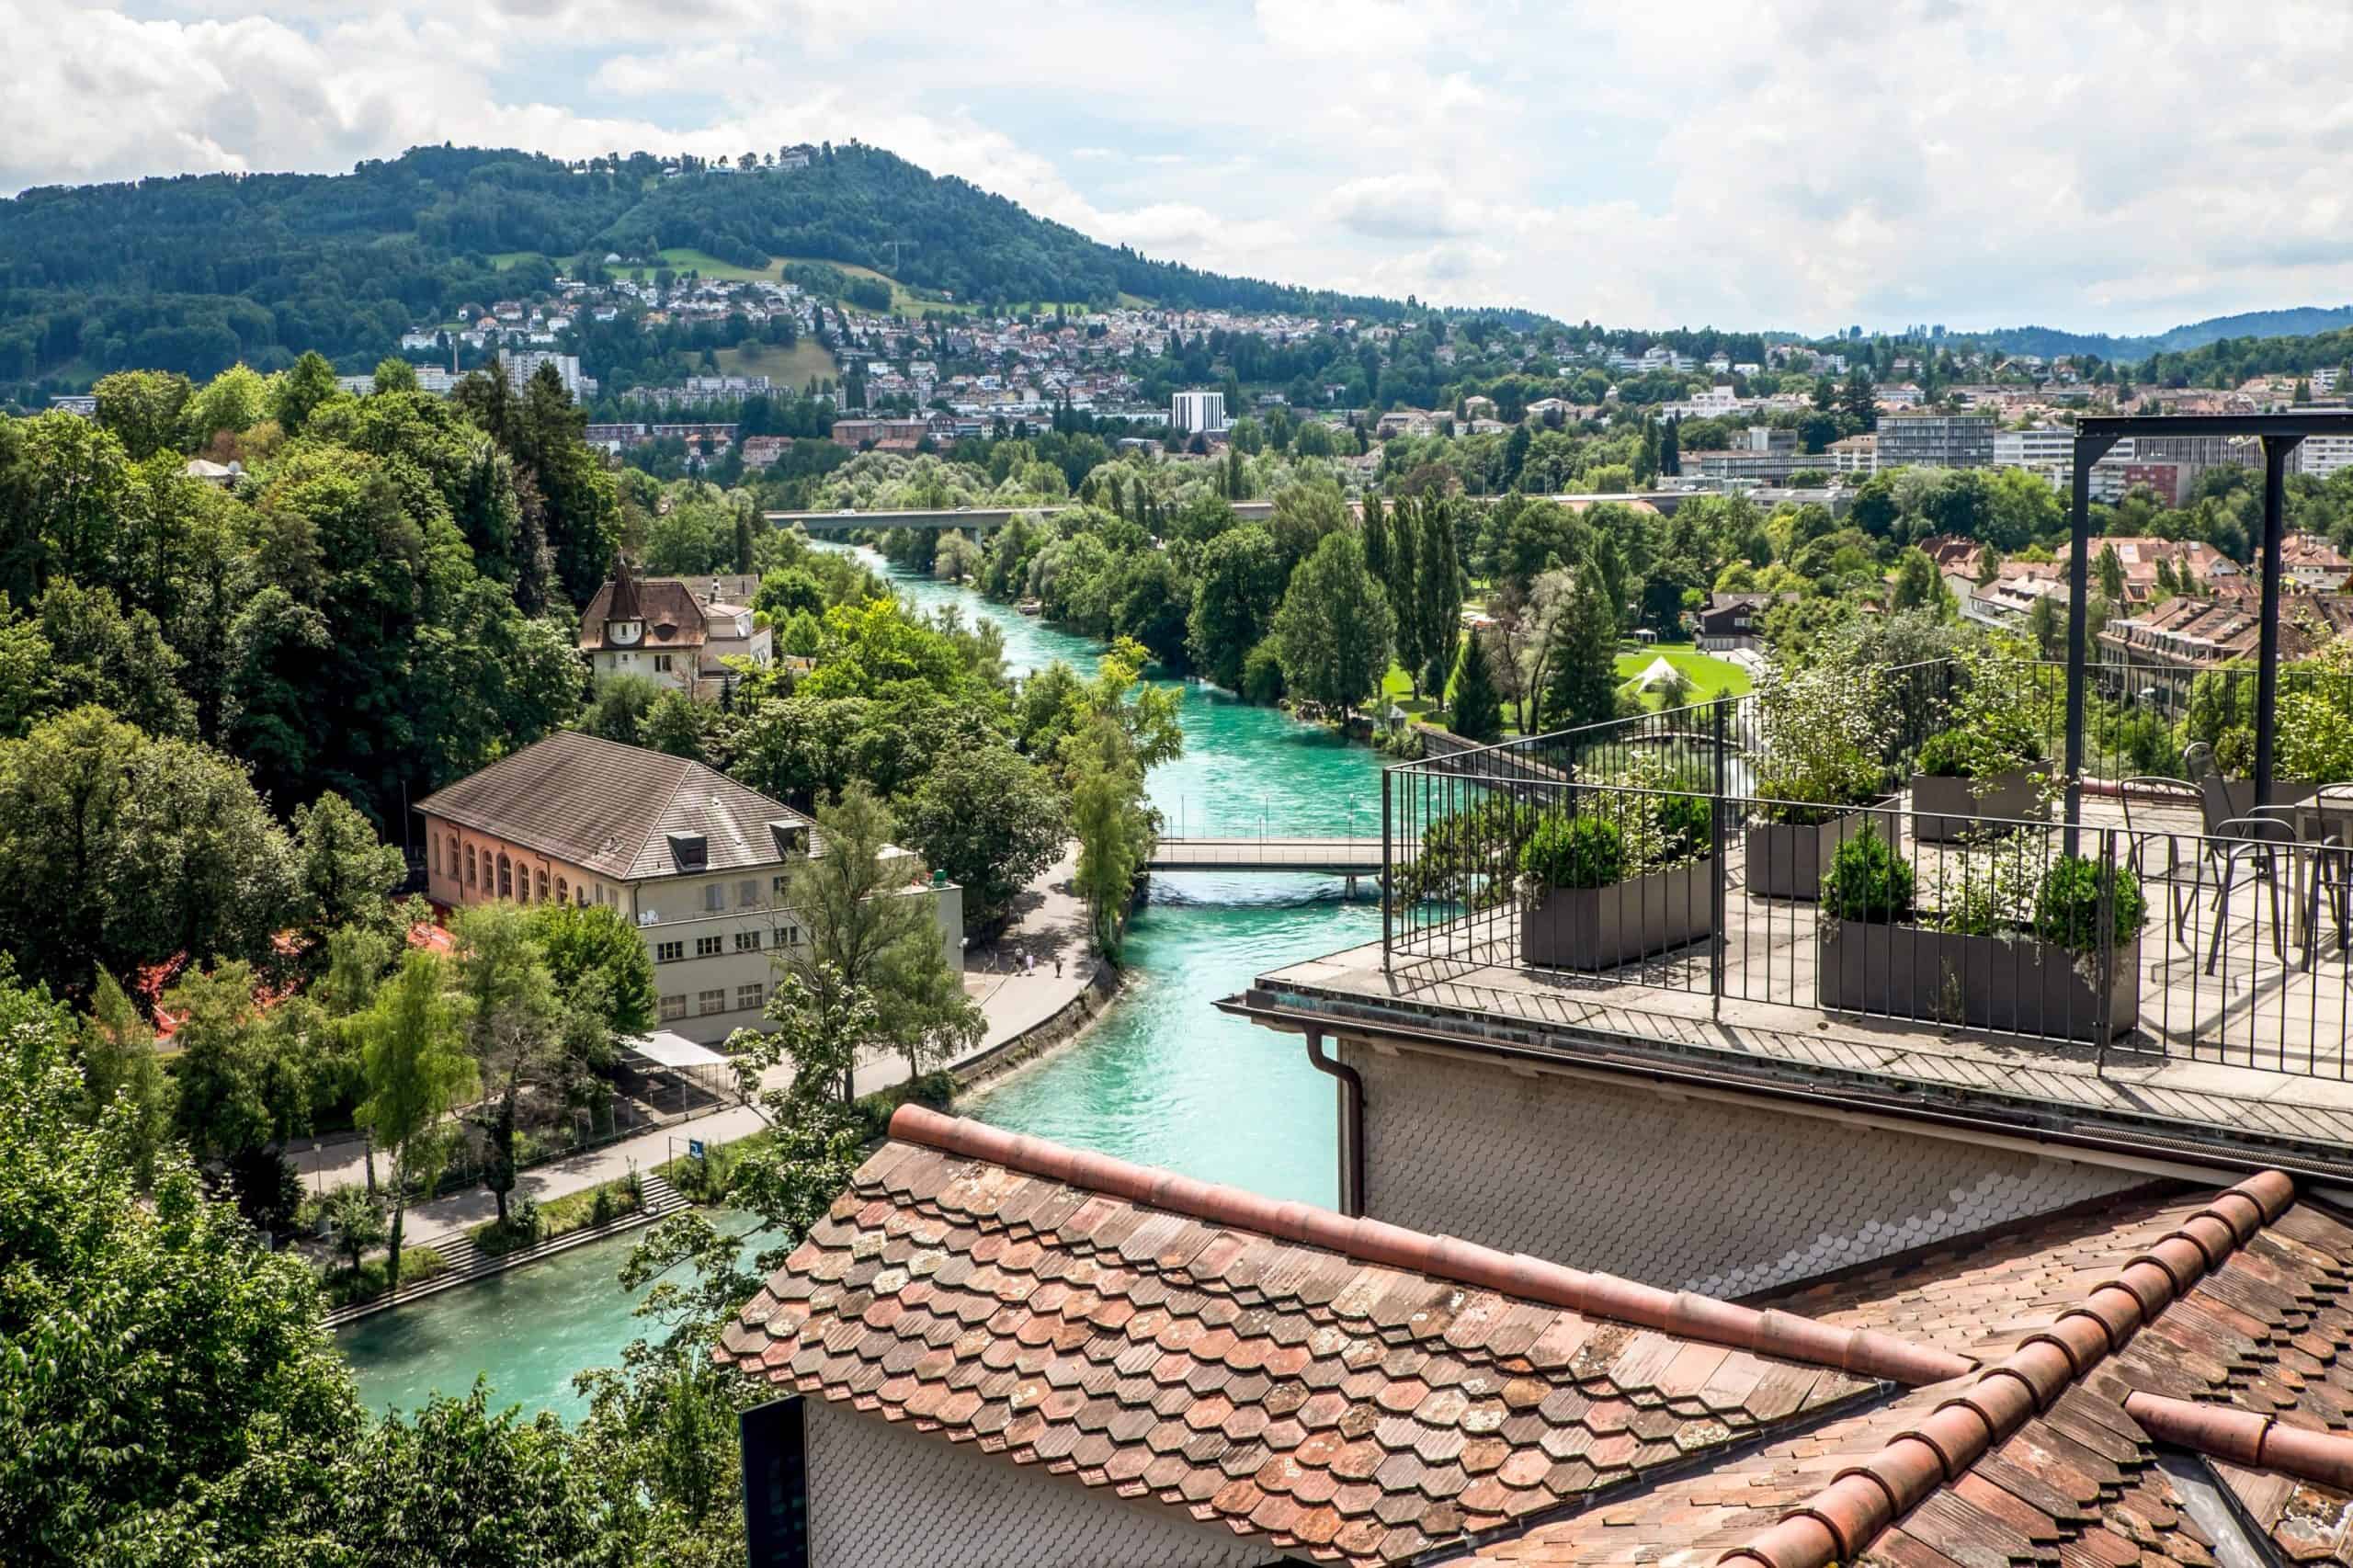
[(873, 1111), (1262, 674), (2066, 906), (418, 1264), (1868, 882), (523, 1227), (1573, 852), (1684, 823), (1944, 754)]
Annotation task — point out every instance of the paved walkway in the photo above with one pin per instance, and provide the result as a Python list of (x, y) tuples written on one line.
[(1013, 979)]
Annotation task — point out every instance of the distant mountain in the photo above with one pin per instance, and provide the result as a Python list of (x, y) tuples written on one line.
[(2303, 321), (196, 272)]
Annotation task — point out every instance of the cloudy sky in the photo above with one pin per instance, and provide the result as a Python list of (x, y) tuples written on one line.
[(1750, 163)]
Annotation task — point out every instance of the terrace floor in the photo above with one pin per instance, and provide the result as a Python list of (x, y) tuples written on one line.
[(2257, 1052)]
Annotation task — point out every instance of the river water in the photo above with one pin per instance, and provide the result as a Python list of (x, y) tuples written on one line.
[(1163, 1078)]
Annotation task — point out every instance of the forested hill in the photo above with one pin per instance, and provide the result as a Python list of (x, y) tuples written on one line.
[(2304, 322), (194, 273)]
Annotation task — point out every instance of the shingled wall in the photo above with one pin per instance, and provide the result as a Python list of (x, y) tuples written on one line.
[(1693, 1194), (880, 1495)]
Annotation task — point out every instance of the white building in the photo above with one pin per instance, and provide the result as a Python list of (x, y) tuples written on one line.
[(2321, 456), (520, 366), (1191, 411), (2038, 448)]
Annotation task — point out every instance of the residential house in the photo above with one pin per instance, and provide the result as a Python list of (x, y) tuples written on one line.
[(1730, 621), (661, 628), (696, 860)]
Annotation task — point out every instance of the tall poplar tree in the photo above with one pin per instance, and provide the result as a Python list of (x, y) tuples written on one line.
[(1404, 547), (1437, 600)]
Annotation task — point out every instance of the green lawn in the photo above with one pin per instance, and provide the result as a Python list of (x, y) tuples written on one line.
[(786, 367), (1707, 674), (505, 259)]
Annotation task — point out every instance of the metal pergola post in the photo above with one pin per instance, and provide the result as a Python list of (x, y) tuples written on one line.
[(2276, 452), (2280, 434)]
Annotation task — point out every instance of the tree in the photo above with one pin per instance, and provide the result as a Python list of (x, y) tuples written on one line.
[(1474, 710), (598, 958), (992, 822), (866, 931), (121, 1077), (345, 876), (418, 1071), (1241, 582), (513, 1027), (2111, 568), (143, 409), (1437, 599), (1408, 538), (172, 1397), (1919, 585), (1115, 830), (244, 1085), (300, 391), (617, 710), (1582, 682), (358, 1221), (1333, 629), (460, 1486), (394, 374)]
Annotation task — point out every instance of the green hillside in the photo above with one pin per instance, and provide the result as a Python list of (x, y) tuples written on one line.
[(194, 273)]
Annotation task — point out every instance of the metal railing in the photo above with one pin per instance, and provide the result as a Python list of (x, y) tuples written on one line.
[(2147, 934)]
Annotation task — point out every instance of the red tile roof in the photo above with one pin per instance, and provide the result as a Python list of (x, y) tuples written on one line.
[(2106, 1331), (1343, 1390)]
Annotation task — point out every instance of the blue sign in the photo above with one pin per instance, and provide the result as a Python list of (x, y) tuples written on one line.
[(694, 1148)]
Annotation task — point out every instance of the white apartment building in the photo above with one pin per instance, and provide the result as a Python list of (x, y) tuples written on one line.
[(1192, 411), (2321, 456), (521, 365)]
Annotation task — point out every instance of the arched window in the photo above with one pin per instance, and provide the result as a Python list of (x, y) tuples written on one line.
[(469, 865), (561, 892), (544, 884), (506, 877), (434, 839)]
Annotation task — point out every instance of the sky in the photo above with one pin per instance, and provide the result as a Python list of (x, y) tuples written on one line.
[(1749, 163)]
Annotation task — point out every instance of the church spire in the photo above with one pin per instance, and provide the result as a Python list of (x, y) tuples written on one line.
[(624, 604)]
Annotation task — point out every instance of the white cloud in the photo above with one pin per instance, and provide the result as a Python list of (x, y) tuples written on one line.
[(1802, 164)]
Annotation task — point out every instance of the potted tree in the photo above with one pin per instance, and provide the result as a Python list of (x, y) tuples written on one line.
[(2017, 953), (1624, 877), (1822, 731)]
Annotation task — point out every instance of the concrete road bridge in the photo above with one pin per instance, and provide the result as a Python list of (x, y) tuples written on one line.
[(977, 521), (1331, 856)]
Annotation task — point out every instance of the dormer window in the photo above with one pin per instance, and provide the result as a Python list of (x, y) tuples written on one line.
[(690, 851), (623, 631)]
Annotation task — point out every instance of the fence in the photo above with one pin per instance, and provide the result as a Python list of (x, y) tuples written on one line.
[(2146, 932)]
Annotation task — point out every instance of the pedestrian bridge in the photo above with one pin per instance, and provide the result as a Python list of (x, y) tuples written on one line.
[(1331, 856)]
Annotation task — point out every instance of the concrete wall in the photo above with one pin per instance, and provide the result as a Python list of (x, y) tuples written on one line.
[(883, 1497), (1688, 1193)]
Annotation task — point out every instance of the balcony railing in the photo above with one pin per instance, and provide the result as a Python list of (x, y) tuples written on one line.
[(2146, 926)]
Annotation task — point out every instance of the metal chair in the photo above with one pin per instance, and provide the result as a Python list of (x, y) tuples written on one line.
[(2248, 846), (2158, 790), (2332, 873)]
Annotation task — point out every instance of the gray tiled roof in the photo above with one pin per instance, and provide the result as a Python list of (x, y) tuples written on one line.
[(613, 808)]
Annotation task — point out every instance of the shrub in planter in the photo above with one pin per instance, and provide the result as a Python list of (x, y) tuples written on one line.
[(1959, 780), (1971, 965), (1589, 904)]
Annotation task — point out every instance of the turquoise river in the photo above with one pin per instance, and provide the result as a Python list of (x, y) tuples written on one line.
[(1163, 1078)]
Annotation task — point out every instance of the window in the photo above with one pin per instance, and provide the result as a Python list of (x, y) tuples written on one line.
[(749, 997), (470, 865), (792, 935), (707, 947), (747, 941), (747, 893), (544, 884), (708, 1002), (669, 952), (435, 840), (775, 887), (662, 663), (673, 1008), (505, 878), (561, 892), (714, 897)]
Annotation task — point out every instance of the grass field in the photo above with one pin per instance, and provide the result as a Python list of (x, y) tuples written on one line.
[(1708, 674), (503, 259), (786, 367)]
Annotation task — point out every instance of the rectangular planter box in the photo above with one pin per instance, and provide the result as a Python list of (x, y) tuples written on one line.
[(2284, 792), (1597, 928), (2013, 984), (1945, 809), (1788, 860)]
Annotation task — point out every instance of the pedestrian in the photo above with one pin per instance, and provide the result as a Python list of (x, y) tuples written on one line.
[(1030, 964), (1058, 967)]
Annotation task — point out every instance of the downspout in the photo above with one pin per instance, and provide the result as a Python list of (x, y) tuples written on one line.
[(1351, 1084)]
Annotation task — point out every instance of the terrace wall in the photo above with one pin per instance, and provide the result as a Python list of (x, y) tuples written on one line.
[(1683, 1193)]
